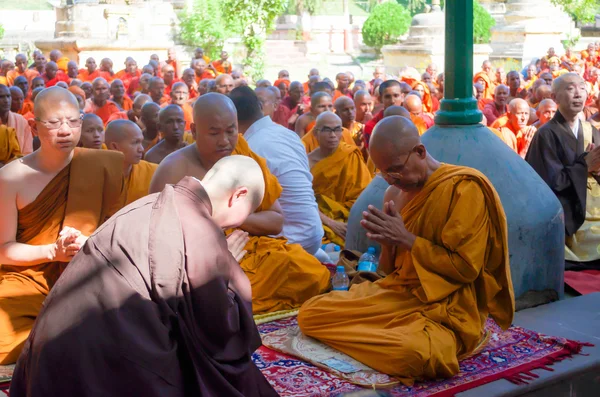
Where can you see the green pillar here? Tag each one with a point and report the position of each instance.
(458, 106)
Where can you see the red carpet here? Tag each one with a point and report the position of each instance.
(583, 281)
(509, 355)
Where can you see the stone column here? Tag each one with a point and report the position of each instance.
(532, 26)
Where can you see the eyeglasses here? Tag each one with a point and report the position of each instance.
(56, 124)
(397, 175)
(336, 130)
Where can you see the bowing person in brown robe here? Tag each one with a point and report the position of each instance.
(155, 303)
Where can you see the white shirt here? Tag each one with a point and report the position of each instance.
(287, 160)
(575, 128)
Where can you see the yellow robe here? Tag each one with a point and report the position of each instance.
(9, 145)
(311, 143)
(138, 183)
(430, 312)
(338, 180)
(282, 275)
(82, 195)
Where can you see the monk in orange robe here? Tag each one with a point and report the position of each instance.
(5, 67)
(17, 100)
(53, 75)
(9, 145)
(413, 104)
(16, 121)
(426, 99)
(149, 119)
(515, 132)
(339, 176)
(48, 213)
(91, 72)
(282, 275)
(126, 137)
(117, 91)
(189, 78)
(168, 73)
(171, 125)
(223, 65)
(445, 252)
(342, 86)
(21, 70)
(346, 110)
(100, 104)
(130, 72)
(21, 83)
(92, 132)
(314, 74)
(488, 88)
(319, 102)
(201, 71)
(135, 113)
(179, 96)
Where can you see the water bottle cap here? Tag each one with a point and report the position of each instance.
(340, 269)
(371, 250)
(324, 247)
(336, 248)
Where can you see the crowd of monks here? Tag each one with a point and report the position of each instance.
(77, 145)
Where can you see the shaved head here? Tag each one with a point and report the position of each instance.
(268, 99)
(394, 132)
(263, 83)
(224, 83)
(317, 97)
(52, 97)
(413, 104)
(17, 99)
(396, 111)
(342, 101)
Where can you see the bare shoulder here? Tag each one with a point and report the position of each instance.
(170, 170)
(153, 155)
(13, 174)
(314, 157)
(399, 197)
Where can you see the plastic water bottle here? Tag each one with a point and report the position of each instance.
(330, 247)
(368, 261)
(340, 279)
(335, 255)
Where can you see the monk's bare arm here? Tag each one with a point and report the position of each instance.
(265, 223)
(301, 125)
(387, 259)
(12, 252)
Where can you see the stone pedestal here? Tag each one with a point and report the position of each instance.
(424, 45)
(532, 26)
(116, 31)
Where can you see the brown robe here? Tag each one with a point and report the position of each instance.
(148, 308)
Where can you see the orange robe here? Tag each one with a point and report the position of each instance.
(126, 78)
(282, 275)
(419, 123)
(222, 67)
(138, 182)
(188, 113)
(118, 116)
(23, 131)
(311, 143)
(338, 180)
(83, 195)
(84, 75)
(431, 311)
(103, 112)
(426, 100)
(207, 74)
(488, 89)
(27, 107)
(514, 140)
(127, 103)
(9, 145)
(29, 74)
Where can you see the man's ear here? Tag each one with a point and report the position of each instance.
(240, 194)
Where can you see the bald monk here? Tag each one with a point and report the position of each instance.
(201, 71)
(79, 95)
(222, 65)
(149, 118)
(171, 124)
(390, 94)
(91, 72)
(117, 92)
(53, 75)
(188, 77)
(542, 92)
(126, 137)
(224, 84)
(413, 104)
(22, 83)
(60, 60)
(426, 315)
(17, 100)
(168, 74)
(73, 71)
(100, 104)
(113, 312)
(363, 102)
(263, 83)
(106, 69)
(140, 84)
(39, 62)
(130, 72)
(21, 70)
(319, 103)
(37, 82)
(346, 110)
(545, 112)
(51, 201)
(88, 89)
(92, 132)
(268, 101)
(156, 90)
(283, 276)
(5, 67)
(342, 86)
(311, 74)
(179, 96)
(498, 108)
(516, 133)
(135, 113)
(339, 176)
(16, 121)
(283, 75)
(310, 140)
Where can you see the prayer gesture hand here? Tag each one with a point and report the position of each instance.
(339, 228)
(387, 227)
(69, 242)
(528, 134)
(236, 242)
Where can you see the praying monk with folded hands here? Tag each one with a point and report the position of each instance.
(445, 252)
(50, 201)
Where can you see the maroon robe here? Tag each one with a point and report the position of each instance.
(148, 308)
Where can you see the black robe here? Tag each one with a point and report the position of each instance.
(148, 308)
(559, 159)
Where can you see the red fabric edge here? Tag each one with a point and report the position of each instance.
(520, 374)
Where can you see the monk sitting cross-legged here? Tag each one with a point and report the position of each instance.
(171, 124)
(92, 132)
(282, 276)
(99, 103)
(50, 202)
(445, 252)
(126, 137)
(339, 176)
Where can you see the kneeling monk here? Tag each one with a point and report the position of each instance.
(155, 304)
(444, 247)
(282, 276)
(339, 176)
(50, 201)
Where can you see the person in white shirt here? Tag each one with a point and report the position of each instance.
(287, 160)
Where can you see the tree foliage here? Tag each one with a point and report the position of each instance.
(582, 11)
(1, 31)
(386, 23)
(253, 20)
(482, 24)
(203, 26)
(413, 6)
